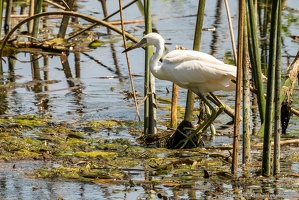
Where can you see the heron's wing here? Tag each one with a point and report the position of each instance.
(199, 70)
(177, 56)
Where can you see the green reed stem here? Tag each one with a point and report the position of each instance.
(266, 161)
(255, 59)
(36, 21)
(1, 14)
(65, 20)
(7, 16)
(196, 46)
(277, 104)
(149, 81)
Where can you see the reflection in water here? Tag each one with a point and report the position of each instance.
(77, 64)
(217, 25)
(3, 100)
(11, 69)
(46, 72)
(76, 92)
(118, 73)
(36, 77)
(68, 73)
(100, 63)
(263, 19)
(14, 186)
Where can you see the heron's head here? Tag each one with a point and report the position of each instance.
(148, 40)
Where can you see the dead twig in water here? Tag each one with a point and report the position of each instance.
(128, 62)
(286, 142)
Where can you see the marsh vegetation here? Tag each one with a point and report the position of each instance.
(71, 126)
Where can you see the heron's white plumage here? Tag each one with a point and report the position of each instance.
(197, 71)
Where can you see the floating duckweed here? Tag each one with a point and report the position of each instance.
(104, 124)
(23, 153)
(294, 157)
(108, 155)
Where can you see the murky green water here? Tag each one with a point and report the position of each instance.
(98, 92)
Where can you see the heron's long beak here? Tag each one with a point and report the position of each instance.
(142, 43)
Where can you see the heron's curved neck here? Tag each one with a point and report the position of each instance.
(154, 67)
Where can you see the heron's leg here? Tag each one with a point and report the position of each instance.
(204, 113)
(212, 127)
(216, 101)
(187, 138)
(214, 113)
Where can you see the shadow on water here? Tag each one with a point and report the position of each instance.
(91, 85)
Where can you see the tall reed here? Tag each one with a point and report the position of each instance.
(277, 100)
(255, 59)
(7, 16)
(196, 46)
(36, 21)
(238, 97)
(246, 102)
(1, 14)
(150, 105)
(266, 162)
(35, 61)
(65, 20)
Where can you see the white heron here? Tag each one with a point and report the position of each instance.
(199, 72)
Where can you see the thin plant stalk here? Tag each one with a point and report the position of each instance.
(266, 161)
(254, 111)
(36, 22)
(1, 14)
(231, 29)
(196, 47)
(31, 13)
(199, 23)
(7, 16)
(189, 106)
(174, 105)
(246, 103)
(37, 9)
(246, 89)
(127, 58)
(55, 4)
(277, 104)
(241, 23)
(65, 20)
(149, 81)
(146, 75)
(255, 59)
